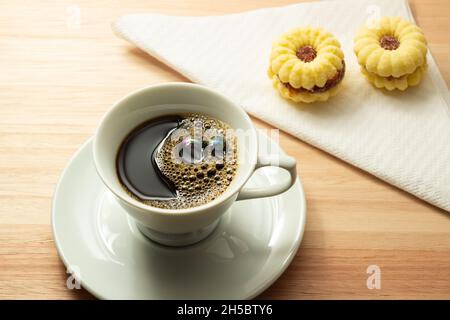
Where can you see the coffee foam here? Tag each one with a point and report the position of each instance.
(202, 181)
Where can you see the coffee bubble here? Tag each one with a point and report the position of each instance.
(188, 159)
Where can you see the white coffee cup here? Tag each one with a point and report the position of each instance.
(183, 226)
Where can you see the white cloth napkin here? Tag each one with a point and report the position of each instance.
(402, 138)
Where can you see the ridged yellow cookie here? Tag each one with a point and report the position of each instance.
(394, 49)
(401, 83)
(306, 65)
(303, 96)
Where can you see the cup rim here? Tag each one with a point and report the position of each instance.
(187, 211)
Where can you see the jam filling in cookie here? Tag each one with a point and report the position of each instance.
(389, 43)
(306, 53)
(332, 82)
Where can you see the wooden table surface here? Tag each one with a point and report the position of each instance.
(59, 74)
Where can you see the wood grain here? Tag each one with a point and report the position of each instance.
(57, 80)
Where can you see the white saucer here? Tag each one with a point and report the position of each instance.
(252, 246)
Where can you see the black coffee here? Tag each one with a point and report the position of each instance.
(177, 161)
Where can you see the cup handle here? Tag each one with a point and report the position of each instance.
(281, 161)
